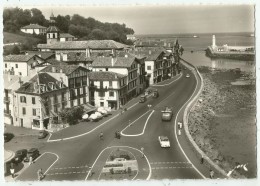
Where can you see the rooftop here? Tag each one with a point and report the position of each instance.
(44, 55)
(92, 44)
(117, 62)
(105, 75)
(52, 29)
(63, 68)
(42, 79)
(19, 58)
(33, 26)
(66, 35)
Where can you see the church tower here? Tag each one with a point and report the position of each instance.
(214, 42)
(52, 32)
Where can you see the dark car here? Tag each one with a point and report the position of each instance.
(43, 134)
(8, 136)
(33, 152)
(20, 155)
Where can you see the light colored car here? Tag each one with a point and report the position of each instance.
(188, 75)
(164, 141)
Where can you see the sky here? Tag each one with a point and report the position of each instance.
(171, 19)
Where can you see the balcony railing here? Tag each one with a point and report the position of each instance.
(7, 111)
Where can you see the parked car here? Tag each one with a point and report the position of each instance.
(8, 136)
(188, 75)
(155, 94)
(20, 155)
(42, 134)
(164, 141)
(33, 152)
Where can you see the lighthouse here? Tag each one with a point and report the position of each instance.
(214, 42)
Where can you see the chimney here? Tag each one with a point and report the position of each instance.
(150, 52)
(87, 52)
(61, 71)
(112, 61)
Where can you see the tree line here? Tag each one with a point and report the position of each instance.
(78, 26)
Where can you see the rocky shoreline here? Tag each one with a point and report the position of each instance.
(222, 123)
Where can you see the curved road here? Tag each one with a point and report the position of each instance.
(78, 154)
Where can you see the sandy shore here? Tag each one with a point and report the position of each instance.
(223, 121)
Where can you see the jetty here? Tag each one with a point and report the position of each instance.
(230, 52)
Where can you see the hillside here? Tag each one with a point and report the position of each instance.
(17, 38)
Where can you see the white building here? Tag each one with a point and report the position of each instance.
(66, 37)
(34, 29)
(21, 65)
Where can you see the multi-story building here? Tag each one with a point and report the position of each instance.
(75, 78)
(127, 65)
(38, 101)
(21, 65)
(107, 89)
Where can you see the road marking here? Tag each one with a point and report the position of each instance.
(155, 168)
(57, 173)
(60, 168)
(167, 83)
(134, 122)
(176, 129)
(150, 169)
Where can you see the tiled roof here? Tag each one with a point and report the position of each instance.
(41, 78)
(33, 26)
(81, 56)
(105, 75)
(55, 62)
(18, 58)
(117, 62)
(66, 35)
(52, 29)
(92, 44)
(66, 69)
(150, 54)
(44, 55)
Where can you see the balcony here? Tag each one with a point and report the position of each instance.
(7, 112)
(6, 99)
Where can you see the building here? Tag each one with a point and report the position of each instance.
(38, 101)
(21, 65)
(107, 89)
(66, 37)
(127, 65)
(43, 55)
(11, 84)
(75, 78)
(34, 29)
(130, 37)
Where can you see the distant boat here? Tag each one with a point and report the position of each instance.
(195, 36)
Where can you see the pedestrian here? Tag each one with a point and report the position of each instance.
(142, 149)
(118, 135)
(30, 160)
(40, 174)
(201, 160)
(12, 169)
(101, 136)
(211, 174)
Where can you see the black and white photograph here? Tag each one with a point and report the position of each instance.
(129, 92)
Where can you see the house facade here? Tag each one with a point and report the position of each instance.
(107, 89)
(21, 65)
(34, 29)
(66, 37)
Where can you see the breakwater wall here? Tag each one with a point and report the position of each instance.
(230, 55)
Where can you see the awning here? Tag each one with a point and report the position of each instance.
(89, 108)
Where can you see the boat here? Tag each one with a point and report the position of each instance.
(195, 36)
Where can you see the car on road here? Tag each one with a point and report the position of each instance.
(33, 152)
(167, 114)
(142, 99)
(42, 134)
(164, 141)
(187, 75)
(20, 155)
(155, 93)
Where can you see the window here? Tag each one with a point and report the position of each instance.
(22, 99)
(149, 67)
(20, 73)
(16, 65)
(33, 100)
(101, 104)
(5, 65)
(34, 112)
(110, 83)
(111, 94)
(106, 69)
(24, 110)
(101, 94)
(55, 108)
(53, 35)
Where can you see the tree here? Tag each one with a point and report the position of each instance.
(97, 34)
(71, 115)
(15, 50)
(37, 16)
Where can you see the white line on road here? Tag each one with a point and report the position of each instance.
(154, 168)
(123, 134)
(176, 129)
(154, 163)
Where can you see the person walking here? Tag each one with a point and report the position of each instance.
(211, 174)
(30, 160)
(40, 174)
(201, 160)
(142, 149)
(101, 136)
(12, 169)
